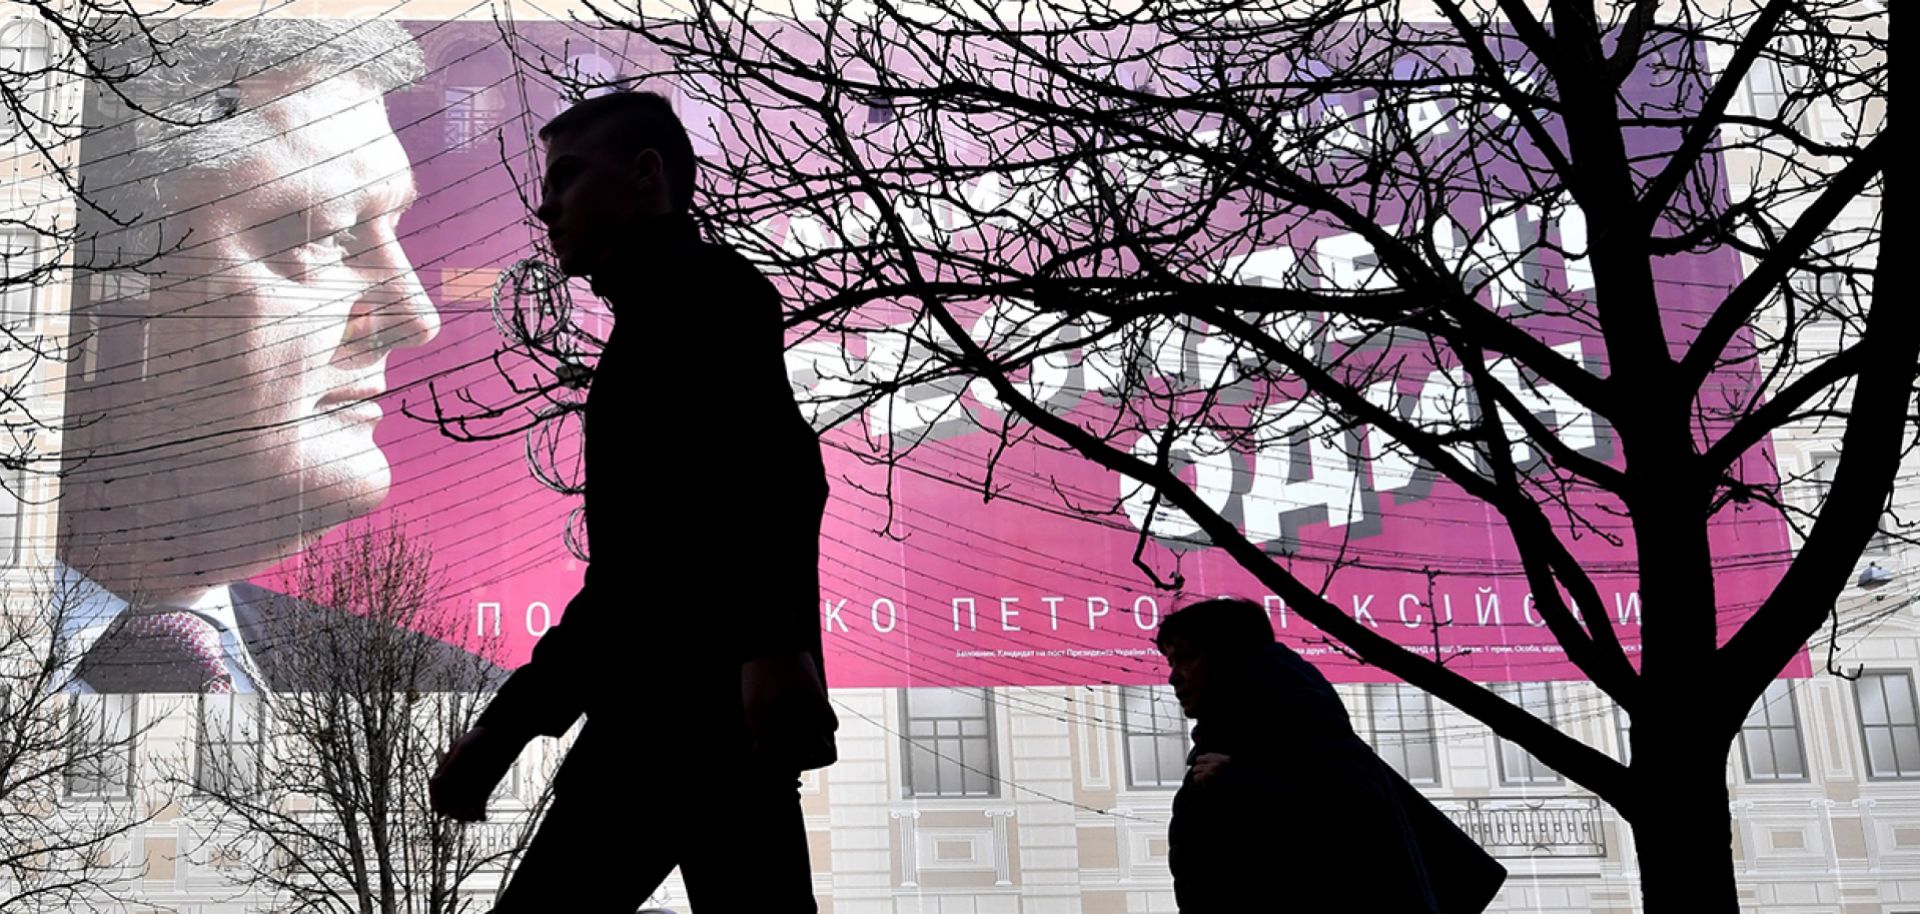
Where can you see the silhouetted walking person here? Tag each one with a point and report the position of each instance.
(1284, 808)
(694, 647)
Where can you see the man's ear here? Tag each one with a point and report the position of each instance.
(648, 166)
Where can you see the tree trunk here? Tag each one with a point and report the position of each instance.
(1683, 832)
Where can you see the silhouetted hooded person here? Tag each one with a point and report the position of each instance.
(1284, 808)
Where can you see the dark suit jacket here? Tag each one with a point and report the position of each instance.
(282, 634)
(704, 495)
(305, 647)
(1306, 818)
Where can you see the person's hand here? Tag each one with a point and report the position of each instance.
(469, 771)
(789, 718)
(1208, 766)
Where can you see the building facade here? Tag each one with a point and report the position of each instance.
(1055, 800)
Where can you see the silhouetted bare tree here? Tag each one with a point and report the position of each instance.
(69, 796)
(52, 56)
(1571, 261)
(320, 789)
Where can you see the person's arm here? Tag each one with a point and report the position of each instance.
(782, 682)
(541, 698)
(780, 604)
(546, 695)
(784, 490)
(778, 639)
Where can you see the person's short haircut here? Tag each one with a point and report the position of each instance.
(633, 121)
(200, 103)
(1225, 627)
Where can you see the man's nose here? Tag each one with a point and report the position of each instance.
(548, 212)
(414, 320)
(397, 311)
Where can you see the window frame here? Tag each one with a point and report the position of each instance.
(1825, 289)
(132, 716)
(1623, 734)
(38, 89)
(1866, 742)
(910, 744)
(1785, 76)
(1516, 692)
(1159, 695)
(468, 114)
(1399, 692)
(230, 745)
(1820, 470)
(508, 790)
(13, 516)
(1771, 729)
(22, 246)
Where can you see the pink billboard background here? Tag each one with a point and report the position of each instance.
(1011, 591)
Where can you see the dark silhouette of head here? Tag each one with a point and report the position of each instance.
(1209, 646)
(613, 162)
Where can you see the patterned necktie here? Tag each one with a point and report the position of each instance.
(176, 651)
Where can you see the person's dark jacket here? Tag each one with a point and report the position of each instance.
(704, 496)
(1306, 818)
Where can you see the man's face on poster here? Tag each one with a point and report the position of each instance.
(266, 347)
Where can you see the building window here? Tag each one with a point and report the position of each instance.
(1623, 733)
(1824, 464)
(1518, 767)
(88, 334)
(949, 743)
(118, 287)
(1770, 742)
(19, 257)
(1156, 735)
(12, 720)
(1771, 83)
(230, 756)
(25, 51)
(509, 787)
(1887, 724)
(1402, 718)
(101, 763)
(1824, 289)
(12, 515)
(471, 111)
(146, 349)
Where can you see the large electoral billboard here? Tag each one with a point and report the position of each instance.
(312, 276)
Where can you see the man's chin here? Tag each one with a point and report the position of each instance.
(574, 264)
(350, 495)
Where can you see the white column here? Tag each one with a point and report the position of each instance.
(909, 820)
(1865, 808)
(181, 865)
(1002, 846)
(1743, 818)
(1122, 828)
(1826, 827)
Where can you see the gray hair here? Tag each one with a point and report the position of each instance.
(201, 97)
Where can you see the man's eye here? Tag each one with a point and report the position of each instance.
(342, 243)
(557, 179)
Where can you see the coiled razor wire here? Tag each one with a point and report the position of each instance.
(533, 311)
